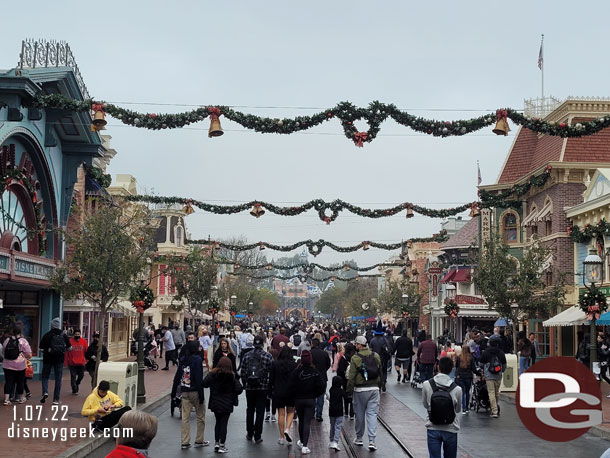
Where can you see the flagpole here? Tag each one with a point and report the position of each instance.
(542, 66)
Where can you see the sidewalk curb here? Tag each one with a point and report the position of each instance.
(85, 448)
(596, 431)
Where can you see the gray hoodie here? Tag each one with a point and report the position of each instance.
(456, 394)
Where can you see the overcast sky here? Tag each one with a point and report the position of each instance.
(444, 60)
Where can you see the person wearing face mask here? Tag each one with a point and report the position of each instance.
(76, 360)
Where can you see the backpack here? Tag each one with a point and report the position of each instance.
(58, 344)
(296, 340)
(370, 369)
(12, 351)
(442, 411)
(495, 367)
(256, 370)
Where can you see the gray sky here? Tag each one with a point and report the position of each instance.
(432, 58)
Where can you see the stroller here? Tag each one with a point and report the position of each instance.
(149, 361)
(176, 402)
(479, 398)
(416, 381)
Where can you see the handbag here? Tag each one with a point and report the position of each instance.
(29, 370)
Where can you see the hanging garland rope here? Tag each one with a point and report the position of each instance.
(315, 247)
(327, 211)
(302, 277)
(589, 232)
(492, 200)
(347, 113)
(307, 268)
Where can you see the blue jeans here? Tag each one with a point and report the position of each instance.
(426, 371)
(442, 439)
(465, 384)
(58, 369)
(336, 423)
(524, 364)
(319, 406)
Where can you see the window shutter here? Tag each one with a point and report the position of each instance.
(162, 280)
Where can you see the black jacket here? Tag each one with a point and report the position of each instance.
(219, 354)
(281, 371)
(224, 389)
(379, 345)
(404, 347)
(466, 373)
(306, 383)
(342, 368)
(91, 354)
(321, 361)
(337, 394)
(45, 346)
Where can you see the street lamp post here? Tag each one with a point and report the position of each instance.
(592, 274)
(405, 303)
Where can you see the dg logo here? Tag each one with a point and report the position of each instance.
(559, 399)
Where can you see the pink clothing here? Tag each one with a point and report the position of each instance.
(443, 353)
(336, 361)
(19, 363)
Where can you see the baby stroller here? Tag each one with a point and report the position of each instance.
(479, 398)
(416, 381)
(149, 361)
(176, 402)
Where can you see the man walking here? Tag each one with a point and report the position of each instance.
(255, 369)
(442, 398)
(170, 348)
(53, 346)
(281, 337)
(494, 365)
(91, 355)
(404, 354)
(179, 338)
(427, 354)
(379, 345)
(364, 381)
(321, 362)
(76, 360)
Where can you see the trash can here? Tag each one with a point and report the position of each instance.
(510, 378)
(123, 379)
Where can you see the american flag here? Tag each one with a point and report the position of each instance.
(540, 59)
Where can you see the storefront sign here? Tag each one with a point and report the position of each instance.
(32, 269)
(485, 224)
(435, 270)
(605, 290)
(463, 299)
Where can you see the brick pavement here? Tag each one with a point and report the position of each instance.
(156, 384)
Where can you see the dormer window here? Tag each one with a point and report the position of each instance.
(179, 235)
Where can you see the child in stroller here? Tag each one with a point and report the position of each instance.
(416, 381)
(479, 398)
(149, 361)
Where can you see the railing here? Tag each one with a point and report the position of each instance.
(50, 53)
(540, 107)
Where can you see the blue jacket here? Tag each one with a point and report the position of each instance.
(189, 376)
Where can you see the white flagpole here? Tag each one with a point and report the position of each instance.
(542, 66)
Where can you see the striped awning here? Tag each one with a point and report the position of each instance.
(573, 316)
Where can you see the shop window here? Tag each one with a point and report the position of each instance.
(26, 318)
(119, 330)
(542, 336)
(549, 278)
(509, 225)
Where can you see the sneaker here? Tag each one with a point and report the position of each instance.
(267, 418)
(44, 398)
(216, 446)
(28, 395)
(248, 437)
(398, 378)
(185, 446)
(335, 446)
(351, 417)
(258, 441)
(383, 387)
(55, 403)
(299, 444)
(280, 441)
(288, 437)
(21, 400)
(305, 451)
(608, 396)
(372, 446)
(358, 442)
(223, 449)
(464, 412)
(494, 415)
(202, 444)
(273, 419)
(319, 419)
(166, 369)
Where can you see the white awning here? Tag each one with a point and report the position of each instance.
(529, 218)
(478, 313)
(573, 316)
(545, 212)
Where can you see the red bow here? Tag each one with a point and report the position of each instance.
(214, 112)
(501, 114)
(593, 311)
(97, 107)
(360, 137)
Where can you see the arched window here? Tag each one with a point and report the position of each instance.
(509, 228)
(179, 235)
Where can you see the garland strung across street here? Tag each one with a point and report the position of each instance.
(307, 268)
(327, 211)
(491, 200)
(347, 113)
(303, 277)
(315, 247)
(589, 231)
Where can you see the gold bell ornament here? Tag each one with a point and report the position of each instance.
(410, 213)
(215, 129)
(257, 211)
(365, 246)
(474, 210)
(501, 123)
(99, 118)
(268, 267)
(188, 209)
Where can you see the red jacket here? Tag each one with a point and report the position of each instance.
(76, 356)
(122, 451)
(427, 352)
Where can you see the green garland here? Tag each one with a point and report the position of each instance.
(302, 277)
(327, 211)
(589, 232)
(347, 113)
(451, 307)
(14, 175)
(307, 268)
(315, 247)
(142, 298)
(593, 304)
(501, 200)
(104, 179)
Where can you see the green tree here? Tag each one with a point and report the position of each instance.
(515, 289)
(332, 301)
(265, 301)
(107, 255)
(391, 299)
